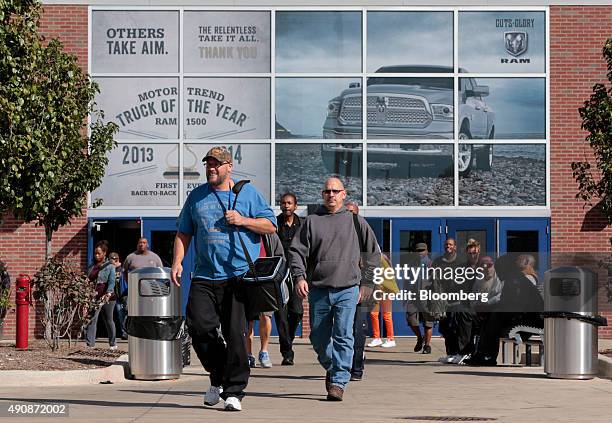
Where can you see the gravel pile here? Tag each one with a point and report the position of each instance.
(299, 169)
(516, 181)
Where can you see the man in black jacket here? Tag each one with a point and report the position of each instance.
(289, 318)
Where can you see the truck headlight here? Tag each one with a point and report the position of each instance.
(333, 109)
(443, 112)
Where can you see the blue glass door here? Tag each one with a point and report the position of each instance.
(161, 232)
(526, 236)
(482, 230)
(405, 234)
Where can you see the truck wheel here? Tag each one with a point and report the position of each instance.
(465, 157)
(484, 157)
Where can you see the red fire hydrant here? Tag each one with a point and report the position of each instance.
(22, 298)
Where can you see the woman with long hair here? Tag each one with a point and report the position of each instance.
(526, 262)
(102, 274)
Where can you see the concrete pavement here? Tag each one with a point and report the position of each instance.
(399, 385)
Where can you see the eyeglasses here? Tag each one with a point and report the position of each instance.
(113, 258)
(487, 265)
(217, 166)
(332, 191)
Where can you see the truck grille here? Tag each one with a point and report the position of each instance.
(404, 111)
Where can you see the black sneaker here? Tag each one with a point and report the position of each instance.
(418, 345)
(356, 378)
(479, 360)
(427, 349)
(287, 362)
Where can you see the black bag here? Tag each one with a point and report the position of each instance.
(265, 285)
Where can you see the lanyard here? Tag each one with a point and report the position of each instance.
(229, 200)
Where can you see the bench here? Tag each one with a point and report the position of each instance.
(510, 346)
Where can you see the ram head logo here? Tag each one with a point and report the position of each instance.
(515, 42)
(382, 103)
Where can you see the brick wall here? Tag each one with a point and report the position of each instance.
(577, 35)
(68, 24)
(22, 246)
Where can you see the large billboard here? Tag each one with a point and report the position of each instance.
(218, 41)
(134, 41)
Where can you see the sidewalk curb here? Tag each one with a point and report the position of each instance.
(115, 373)
(605, 367)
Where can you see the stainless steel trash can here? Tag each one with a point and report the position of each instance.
(570, 323)
(154, 325)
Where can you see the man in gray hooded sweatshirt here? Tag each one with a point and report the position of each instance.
(327, 252)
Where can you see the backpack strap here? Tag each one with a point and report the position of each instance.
(359, 234)
(267, 248)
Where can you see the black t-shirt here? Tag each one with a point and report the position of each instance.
(286, 232)
(448, 285)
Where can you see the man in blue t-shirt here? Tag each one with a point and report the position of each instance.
(215, 310)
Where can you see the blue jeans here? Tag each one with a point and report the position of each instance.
(332, 311)
(121, 309)
(107, 313)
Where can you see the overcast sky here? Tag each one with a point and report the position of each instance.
(318, 42)
(519, 104)
(301, 103)
(409, 38)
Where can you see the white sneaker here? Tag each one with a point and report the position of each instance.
(264, 359)
(455, 359)
(447, 359)
(463, 358)
(375, 342)
(232, 404)
(388, 344)
(113, 347)
(211, 397)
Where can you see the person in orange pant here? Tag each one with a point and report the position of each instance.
(389, 285)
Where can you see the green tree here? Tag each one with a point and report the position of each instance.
(596, 117)
(593, 186)
(48, 162)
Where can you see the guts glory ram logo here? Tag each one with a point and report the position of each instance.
(515, 43)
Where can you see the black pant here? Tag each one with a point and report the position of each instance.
(466, 326)
(295, 313)
(287, 321)
(285, 337)
(457, 329)
(217, 325)
(448, 329)
(360, 325)
(498, 324)
(294, 322)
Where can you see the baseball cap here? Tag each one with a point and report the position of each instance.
(486, 260)
(421, 246)
(219, 153)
